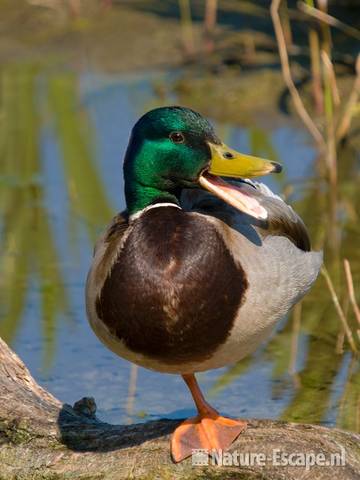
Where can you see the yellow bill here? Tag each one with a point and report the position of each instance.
(226, 162)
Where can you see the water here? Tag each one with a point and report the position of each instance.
(62, 142)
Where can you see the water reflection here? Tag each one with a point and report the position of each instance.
(28, 249)
(60, 148)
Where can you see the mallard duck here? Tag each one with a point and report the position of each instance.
(197, 271)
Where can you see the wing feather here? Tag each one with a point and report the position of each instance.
(282, 219)
(107, 248)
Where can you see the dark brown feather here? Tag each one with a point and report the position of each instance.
(283, 221)
(174, 289)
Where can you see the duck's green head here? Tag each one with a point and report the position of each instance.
(172, 148)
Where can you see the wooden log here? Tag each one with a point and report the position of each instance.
(40, 438)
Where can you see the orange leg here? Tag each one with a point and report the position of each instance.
(207, 430)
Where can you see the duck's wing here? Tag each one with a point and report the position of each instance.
(106, 251)
(274, 254)
(282, 219)
(114, 230)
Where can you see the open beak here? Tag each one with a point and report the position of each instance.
(226, 162)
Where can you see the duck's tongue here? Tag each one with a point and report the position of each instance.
(233, 195)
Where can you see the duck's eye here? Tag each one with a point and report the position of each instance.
(177, 137)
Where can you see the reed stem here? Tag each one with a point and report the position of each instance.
(284, 57)
(339, 310)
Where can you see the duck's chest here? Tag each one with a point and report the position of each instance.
(173, 292)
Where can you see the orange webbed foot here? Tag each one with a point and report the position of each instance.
(208, 431)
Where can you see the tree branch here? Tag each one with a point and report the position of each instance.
(42, 439)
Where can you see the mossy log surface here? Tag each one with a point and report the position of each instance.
(41, 438)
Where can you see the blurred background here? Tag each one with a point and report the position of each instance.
(278, 79)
